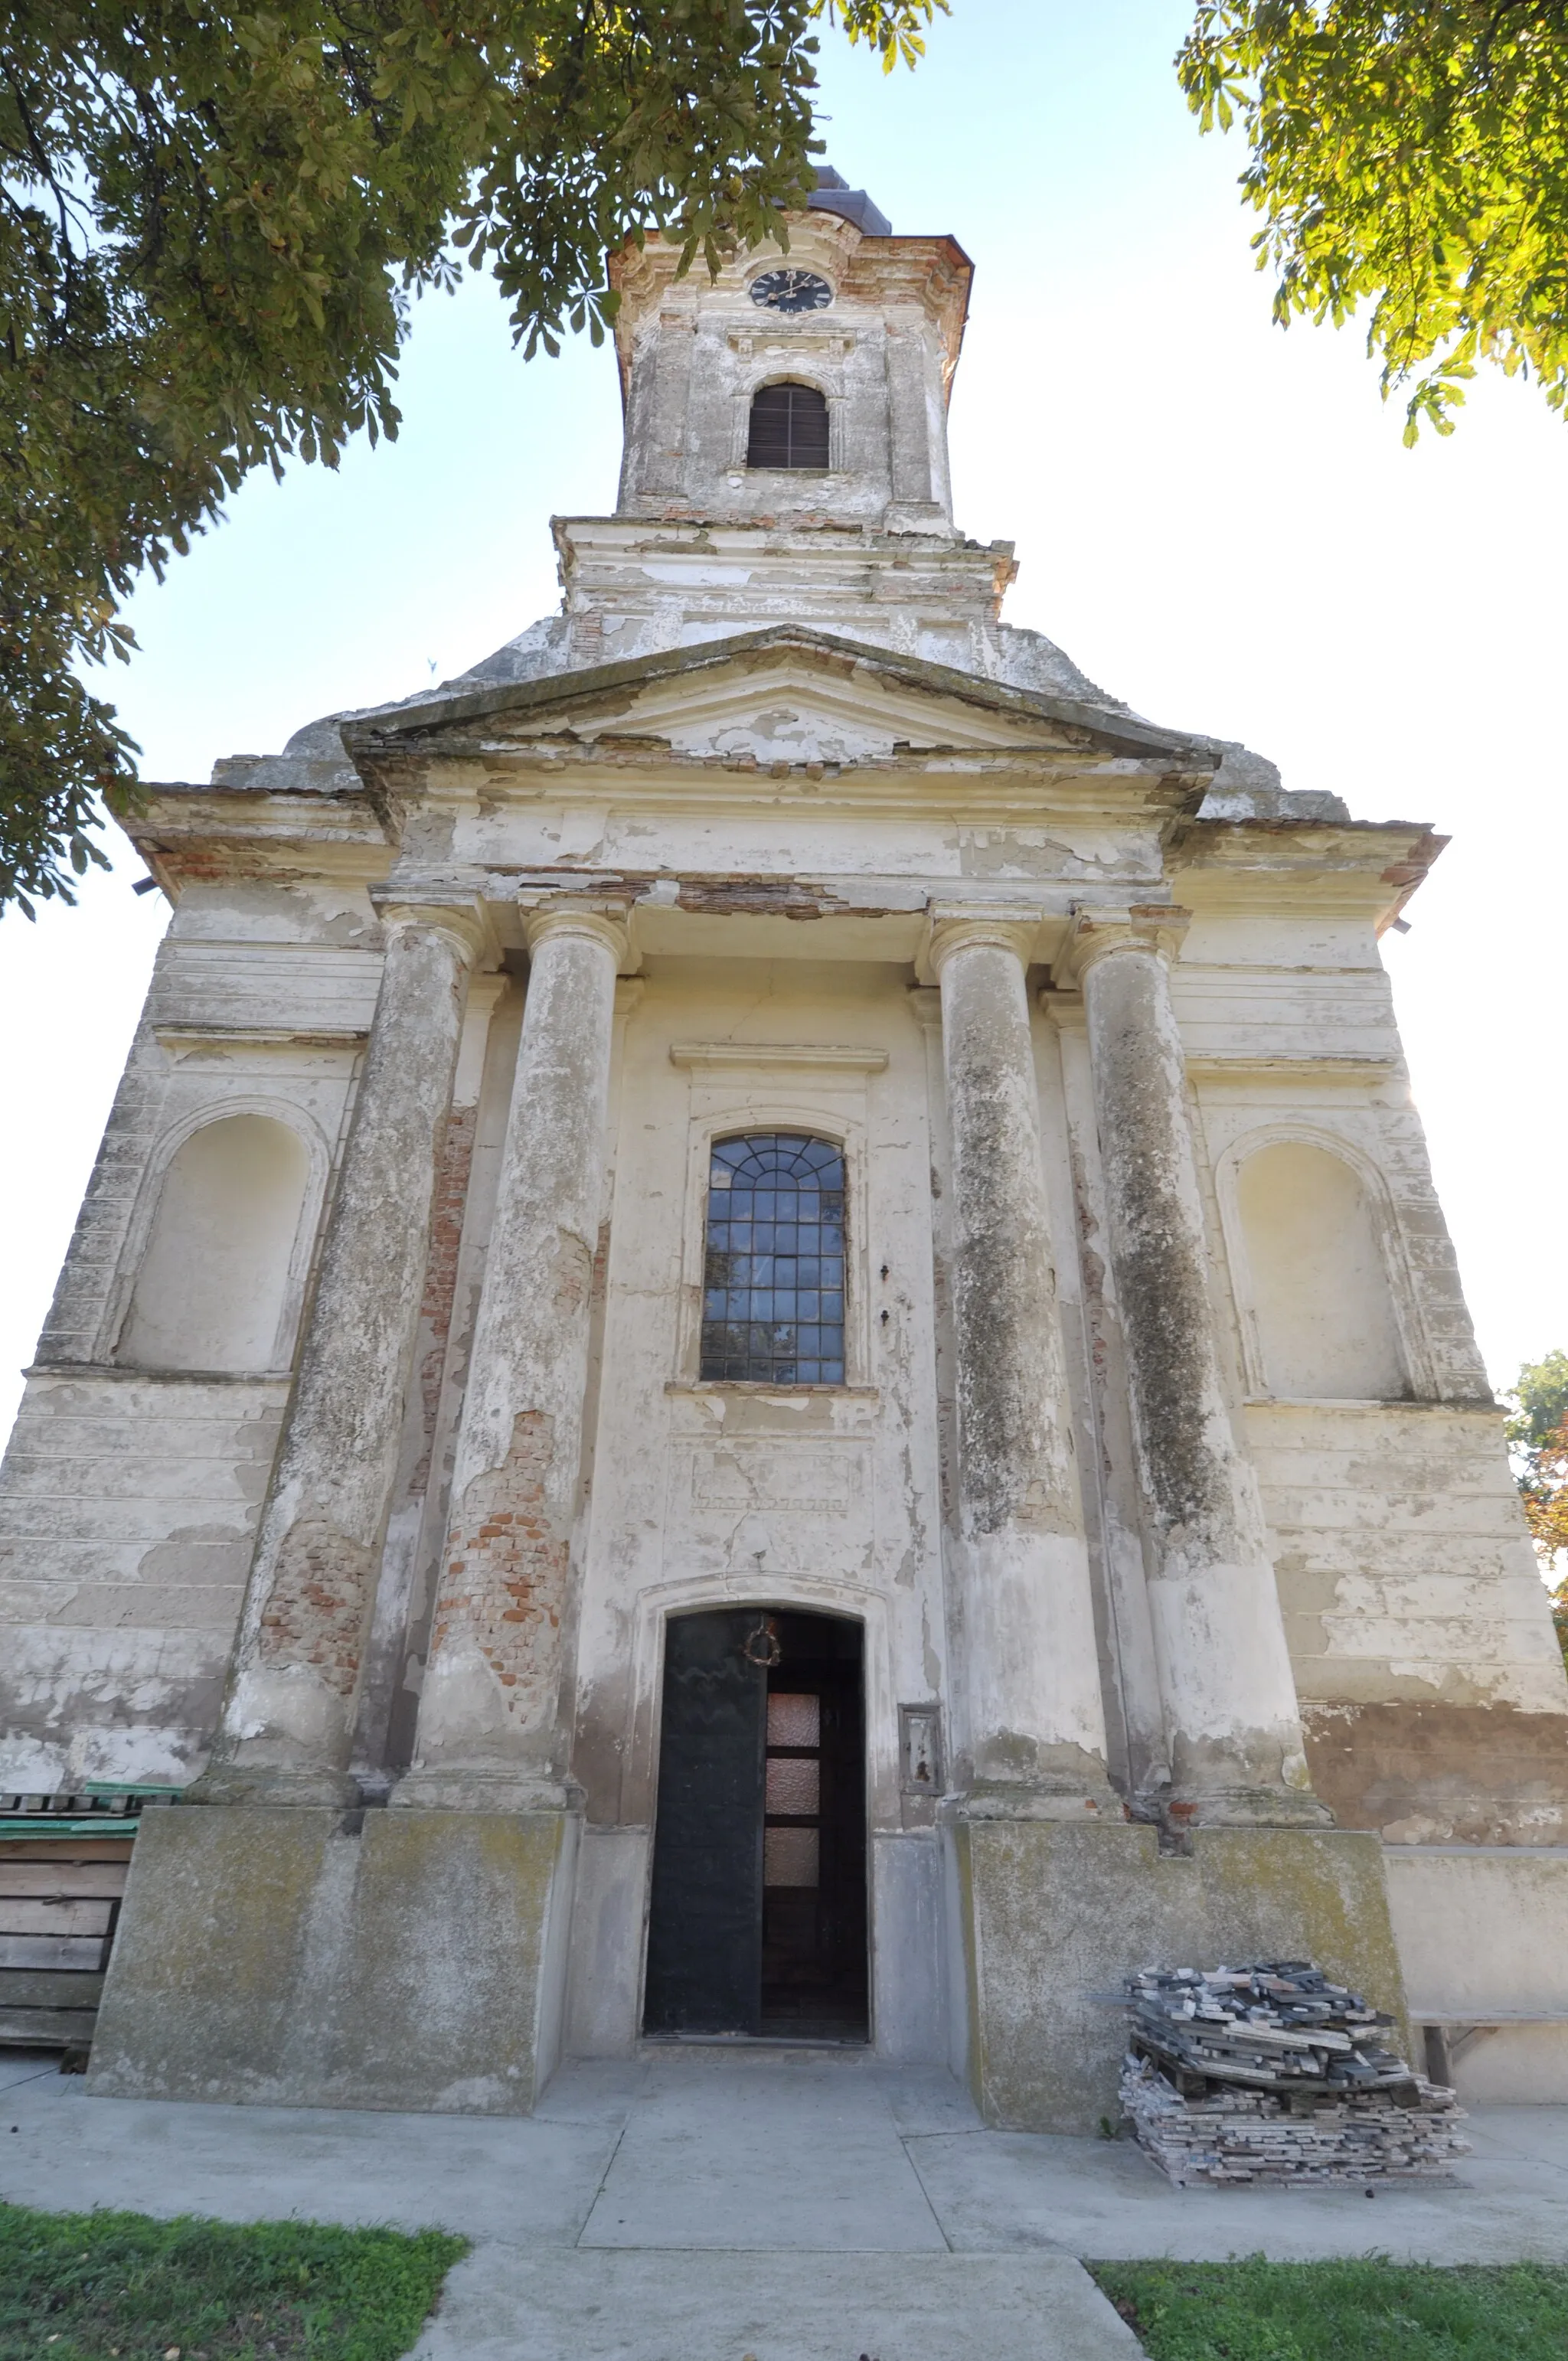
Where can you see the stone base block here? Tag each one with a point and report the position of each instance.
(1483, 1937)
(1055, 1916)
(294, 1957)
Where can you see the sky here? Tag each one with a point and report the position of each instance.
(1216, 518)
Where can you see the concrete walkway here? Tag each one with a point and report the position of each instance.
(704, 2204)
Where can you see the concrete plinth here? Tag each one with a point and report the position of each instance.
(291, 1956)
(1054, 1915)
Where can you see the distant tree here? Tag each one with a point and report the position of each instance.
(213, 219)
(1414, 159)
(1537, 1439)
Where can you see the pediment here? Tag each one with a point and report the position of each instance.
(779, 699)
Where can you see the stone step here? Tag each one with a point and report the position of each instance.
(598, 2304)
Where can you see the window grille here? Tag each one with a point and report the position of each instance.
(789, 427)
(773, 1308)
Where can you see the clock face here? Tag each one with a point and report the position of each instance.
(791, 290)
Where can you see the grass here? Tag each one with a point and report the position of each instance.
(1369, 2310)
(120, 2287)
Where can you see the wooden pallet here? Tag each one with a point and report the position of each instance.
(59, 1901)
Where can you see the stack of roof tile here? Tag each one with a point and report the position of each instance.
(1270, 2073)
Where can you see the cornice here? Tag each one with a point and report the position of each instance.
(196, 835)
(726, 1056)
(1366, 868)
(180, 1039)
(1372, 1071)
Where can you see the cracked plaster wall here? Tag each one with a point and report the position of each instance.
(129, 1498)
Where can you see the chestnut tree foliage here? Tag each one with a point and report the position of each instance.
(213, 219)
(1412, 162)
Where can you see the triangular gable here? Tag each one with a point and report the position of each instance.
(779, 695)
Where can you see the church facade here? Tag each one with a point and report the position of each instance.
(761, 1347)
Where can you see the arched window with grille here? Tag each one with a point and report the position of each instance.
(774, 1275)
(789, 427)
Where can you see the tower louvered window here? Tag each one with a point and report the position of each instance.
(772, 1306)
(789, 427)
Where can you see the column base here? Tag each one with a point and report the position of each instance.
(257, 1784)
(1245, 1808)
(1053, 1919)
(1002, 1800)
(297, 1958)
(484, 1789)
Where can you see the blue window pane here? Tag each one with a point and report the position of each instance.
(773, 1301)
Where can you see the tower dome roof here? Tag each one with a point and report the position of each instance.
(833, 194)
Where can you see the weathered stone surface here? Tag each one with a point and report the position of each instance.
(491, 1705)
(294, 1957)
(1230, 1701)
(1037, 1727)
(287, 1716)
(1058, 1917)
(1423, 1771)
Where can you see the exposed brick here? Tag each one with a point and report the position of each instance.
(505, 1569)
(316, 1613)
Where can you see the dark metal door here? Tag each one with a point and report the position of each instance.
(705, 1932)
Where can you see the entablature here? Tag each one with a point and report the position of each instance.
(188, 834)
(1364, 869)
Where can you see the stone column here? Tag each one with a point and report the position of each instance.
(1227, 1688)
(1036, 1717)
(287, 1719)
(490, 1733)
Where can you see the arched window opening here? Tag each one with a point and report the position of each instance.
(213, 1285)
(789, 427)
(772, 1308)
(1326, 1327)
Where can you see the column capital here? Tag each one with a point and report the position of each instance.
(1097, 930)
(465, 924)
(960, 925)
(596, 920)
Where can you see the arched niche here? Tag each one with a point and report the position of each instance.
(215, 1286)
(1324, 1319)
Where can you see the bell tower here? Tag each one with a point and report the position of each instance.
(786, 450)
(866, 324)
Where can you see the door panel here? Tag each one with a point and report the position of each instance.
(814, 1901)
(705, 1932)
